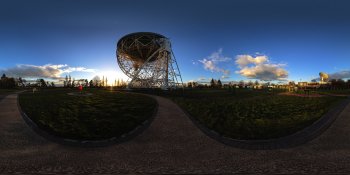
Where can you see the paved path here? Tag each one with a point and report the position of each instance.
(2, 96)
(172, 144)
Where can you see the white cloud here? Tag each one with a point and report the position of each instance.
(211, 62)
(202, 79)
(260, 68)
(76, 69)
(193, 62)
(218, 57)
(244, 60)
(225, 77)
(45, 71)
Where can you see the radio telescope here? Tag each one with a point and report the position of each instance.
(323, 77)
(147, 59)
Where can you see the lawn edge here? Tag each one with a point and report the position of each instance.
(88, 143)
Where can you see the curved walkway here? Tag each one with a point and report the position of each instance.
(172, 144)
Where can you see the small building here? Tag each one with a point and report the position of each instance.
(302, 84)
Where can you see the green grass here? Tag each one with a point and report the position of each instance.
(325, 92)
(339, 91)
(103, 115)
(253, 114)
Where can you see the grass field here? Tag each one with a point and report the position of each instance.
(105, 114)
(253, 114)
(325, 92)
(340, 91)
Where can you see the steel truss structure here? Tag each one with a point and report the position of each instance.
(148, 60)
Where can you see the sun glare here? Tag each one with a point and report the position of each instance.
(112, 76)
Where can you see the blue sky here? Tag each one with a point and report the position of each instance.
(296, 39)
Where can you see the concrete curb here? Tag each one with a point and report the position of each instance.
(88, 143)
(305, 135)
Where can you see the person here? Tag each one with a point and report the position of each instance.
(80, 87)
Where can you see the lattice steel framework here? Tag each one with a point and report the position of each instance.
(148, 60)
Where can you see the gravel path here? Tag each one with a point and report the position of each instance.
(172, 144)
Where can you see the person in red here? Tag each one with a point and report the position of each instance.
(80, 87)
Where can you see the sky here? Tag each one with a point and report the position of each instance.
(232, 40)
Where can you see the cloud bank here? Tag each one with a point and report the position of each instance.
(260, 68)
(340, 75)
(211, 62)
(344, 74)
(45, 71)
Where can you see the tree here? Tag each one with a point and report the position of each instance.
(241, 83)
(69, 82)
(20, 82)
(334, 83)
(212, 83)
(24, 82)
(96, 81)
(65, 82)
(250, 83)
(341, 83)
(256, 82)
(219, 84)
(11, 83)
(91, 84)
(7, 83)
(189, 84)
(41, 82)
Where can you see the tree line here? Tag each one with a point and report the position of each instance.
(332, 84)
(7, 83)
(68, 82)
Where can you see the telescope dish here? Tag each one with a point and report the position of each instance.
(148, 60)
(323, 76)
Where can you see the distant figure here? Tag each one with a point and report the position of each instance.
(80, 87)
(34, 89)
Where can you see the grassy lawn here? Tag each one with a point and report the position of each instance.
(253, 114)
(105, 114)
(325, 92)
(339, 91)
